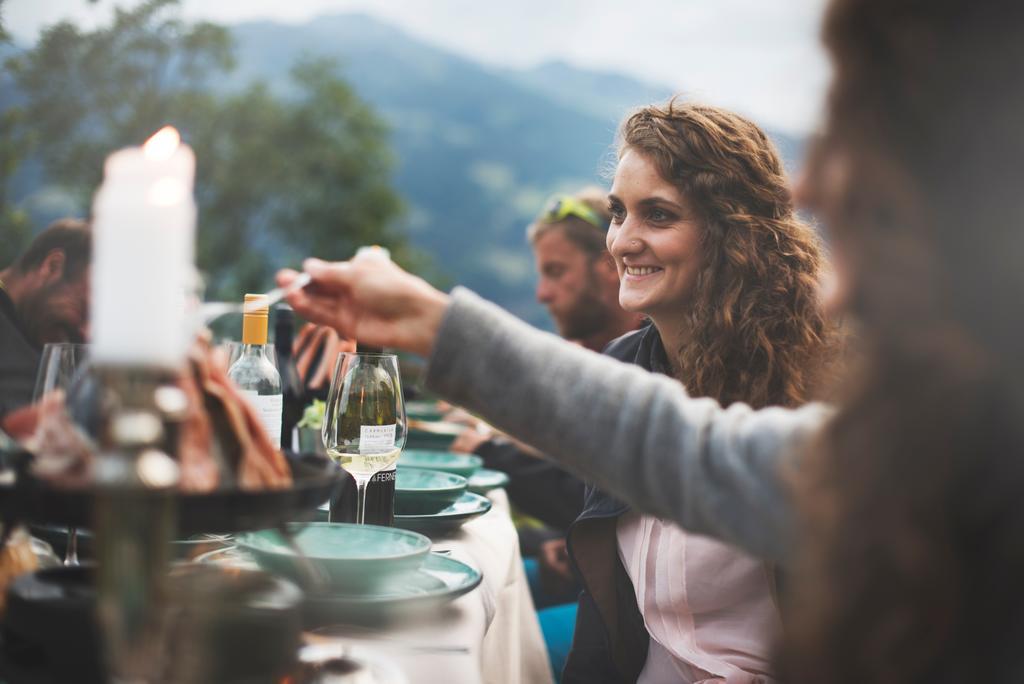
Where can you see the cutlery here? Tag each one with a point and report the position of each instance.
(211, 311)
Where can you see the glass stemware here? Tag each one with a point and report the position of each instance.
(60, 367)
(365, 426)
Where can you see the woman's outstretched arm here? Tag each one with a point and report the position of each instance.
(719, 472)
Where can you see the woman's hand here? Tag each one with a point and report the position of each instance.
(372, 300)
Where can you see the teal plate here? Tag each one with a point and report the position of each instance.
(485, 479)
(445, 461)
(349, 556)
(419, 491)
(432, 434)
(468, 506)
(439, 580)
(423, 410)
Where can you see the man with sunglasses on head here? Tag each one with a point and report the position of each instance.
(578, 281)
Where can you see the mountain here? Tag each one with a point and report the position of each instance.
(605, 95)
(477, 151)
(478, 148)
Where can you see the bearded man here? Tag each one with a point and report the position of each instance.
(44, 297)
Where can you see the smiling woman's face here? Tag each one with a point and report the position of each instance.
(654, 238)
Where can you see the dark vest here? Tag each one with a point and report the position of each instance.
(610, 642)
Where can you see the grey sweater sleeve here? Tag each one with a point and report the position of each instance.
(639, 436)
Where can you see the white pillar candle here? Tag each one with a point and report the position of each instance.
(144, 221)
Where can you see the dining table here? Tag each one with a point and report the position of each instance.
(489, 635)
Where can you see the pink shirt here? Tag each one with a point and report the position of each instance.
(707, 606)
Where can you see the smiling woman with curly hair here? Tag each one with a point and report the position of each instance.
(746, 324)
(708, 247)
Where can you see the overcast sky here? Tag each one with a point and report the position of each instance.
(760, 57)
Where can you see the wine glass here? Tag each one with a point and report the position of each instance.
(365, 426)
(59, 370)
(58, 367)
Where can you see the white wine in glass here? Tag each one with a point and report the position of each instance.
(365, 426)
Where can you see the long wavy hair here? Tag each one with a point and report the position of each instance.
(758, 333)
(913, 562)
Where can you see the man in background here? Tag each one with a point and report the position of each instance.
(579, 285)
(578, 282)
(44, 297)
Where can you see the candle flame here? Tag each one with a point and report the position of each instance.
(162, 144)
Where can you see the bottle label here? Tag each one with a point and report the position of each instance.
(376, 438)
(380, 500)
(384, 476)
(268, 408)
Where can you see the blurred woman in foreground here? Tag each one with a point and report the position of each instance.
(909, 545)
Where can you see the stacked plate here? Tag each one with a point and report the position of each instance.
(423, 410)
(481, 480)
(439, 491)
(428, 434)
(445, 461)
(353, 573)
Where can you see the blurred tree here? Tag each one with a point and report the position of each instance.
(277, 179)
(4, 36)
(14, 224)
(309, 175)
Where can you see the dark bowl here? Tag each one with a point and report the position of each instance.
(49, 631)
(314, 478)
(225, 625)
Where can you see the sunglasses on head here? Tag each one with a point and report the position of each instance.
(564, 206)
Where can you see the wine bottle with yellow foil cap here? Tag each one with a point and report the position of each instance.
(254, 373)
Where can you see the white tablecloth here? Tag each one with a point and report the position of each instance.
(491, 634)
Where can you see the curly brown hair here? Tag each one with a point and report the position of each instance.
(758, 331)
(913, 560)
